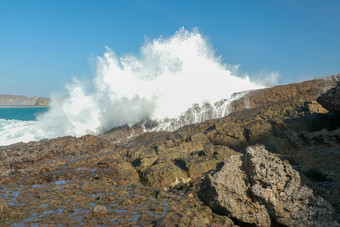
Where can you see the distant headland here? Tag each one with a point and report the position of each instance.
(20, 100)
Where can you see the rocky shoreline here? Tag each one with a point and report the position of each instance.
(274, 161)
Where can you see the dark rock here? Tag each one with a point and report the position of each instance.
(164, 222)
(331, 99)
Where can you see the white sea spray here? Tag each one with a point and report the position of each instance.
(14, 131)
(174, 81)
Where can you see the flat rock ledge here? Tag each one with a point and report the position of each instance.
(259, 188)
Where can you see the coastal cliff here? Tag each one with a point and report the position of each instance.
(20, 100)
(274, 161)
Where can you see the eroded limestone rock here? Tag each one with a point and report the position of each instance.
(225, 192)
(258, 188)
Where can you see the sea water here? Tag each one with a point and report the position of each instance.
(19, 124)
(21, 113)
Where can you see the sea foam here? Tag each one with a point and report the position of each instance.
(167, 77)
(14, 131)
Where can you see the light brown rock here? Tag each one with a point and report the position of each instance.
(260, 189)
(225, 192)
(3, 207)
(99, 209)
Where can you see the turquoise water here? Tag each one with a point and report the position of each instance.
(21, 113)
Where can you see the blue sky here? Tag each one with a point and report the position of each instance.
(44, 43)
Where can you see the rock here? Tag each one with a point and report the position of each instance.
(307, 91)
(40, 101)
(164, 222)
(22, 155)
(225, 192)
(99, 210)
(209, 150)
(120, 134)
(176, 159)
(257, 129)
(198, 164)
(71, 173)
(199, 138)
(164, 174)
(3, 207)
(331, 99)
(228, 134)
(111, 166)
(197, 168)
(260, 189)
(223, 221)
(279, 187)
(315, 107)
(15, 100)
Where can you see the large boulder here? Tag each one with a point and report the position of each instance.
(331, 99)
(225, 192)
(260, 189)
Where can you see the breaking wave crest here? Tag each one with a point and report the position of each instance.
(169, 76)
(197, 113)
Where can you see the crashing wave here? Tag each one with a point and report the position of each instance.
(196, 114)
(166, 79)
(169, 76)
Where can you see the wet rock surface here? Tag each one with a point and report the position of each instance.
(129, 178)
(99, 203)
